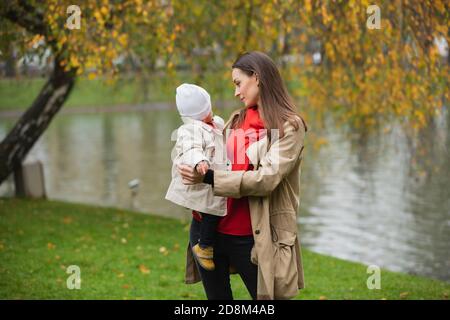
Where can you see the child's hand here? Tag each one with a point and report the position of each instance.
(202, 167)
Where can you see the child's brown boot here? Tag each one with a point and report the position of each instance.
(204, 256)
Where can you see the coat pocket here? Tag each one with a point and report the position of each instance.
(285, 267)
(284, 236)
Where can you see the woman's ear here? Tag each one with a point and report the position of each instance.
(257, 79)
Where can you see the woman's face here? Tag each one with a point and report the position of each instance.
(246, 87)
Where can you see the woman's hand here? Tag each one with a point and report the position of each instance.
(189, 175)
(202, 167)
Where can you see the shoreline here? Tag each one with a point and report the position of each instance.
(151, 106)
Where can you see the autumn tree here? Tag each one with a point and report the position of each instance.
(372, 75)
(147, 30)
(91, 49)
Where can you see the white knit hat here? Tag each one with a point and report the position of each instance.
(193, 101)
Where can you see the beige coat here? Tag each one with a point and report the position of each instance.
(198, 141)
(273, 189)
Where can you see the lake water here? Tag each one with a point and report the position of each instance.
(380, 199)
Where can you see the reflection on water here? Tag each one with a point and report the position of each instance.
(380, 199)
(368, 200)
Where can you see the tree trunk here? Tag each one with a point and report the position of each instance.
(10, 62)
(31, 125)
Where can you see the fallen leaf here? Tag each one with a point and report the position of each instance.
(144, 269)
(164, 251)
(123, 240)
(51, 246)
(126, 286)
(404, 295)
(67, 220)
(323, 298)
(120, 275)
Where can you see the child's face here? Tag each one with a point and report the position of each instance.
(208, 118)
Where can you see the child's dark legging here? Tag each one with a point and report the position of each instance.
(208, 230)
(228, 249)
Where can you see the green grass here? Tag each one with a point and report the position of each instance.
(121, 256)
(20, 93)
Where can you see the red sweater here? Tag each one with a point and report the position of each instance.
(237, 221)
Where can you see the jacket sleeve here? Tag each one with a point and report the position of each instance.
(190, 141)
(276, 164)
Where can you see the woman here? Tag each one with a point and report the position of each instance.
(258, 237)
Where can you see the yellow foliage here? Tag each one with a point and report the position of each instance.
(391, 72)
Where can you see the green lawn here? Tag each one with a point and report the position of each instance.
(128, 255)
(20, 93)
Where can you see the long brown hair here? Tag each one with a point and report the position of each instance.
(276, 106)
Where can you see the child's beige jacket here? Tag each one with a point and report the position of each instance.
(198, 141)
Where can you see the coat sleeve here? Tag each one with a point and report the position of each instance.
(190, 141)
(276, 164)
